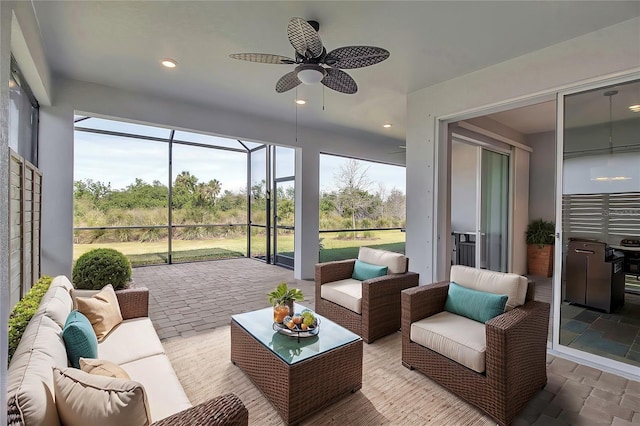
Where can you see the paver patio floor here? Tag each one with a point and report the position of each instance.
(192, 297)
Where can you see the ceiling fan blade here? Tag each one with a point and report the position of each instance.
(304, 38)
(263, 58)
(340, 81)
(287, 82)
(350, 57)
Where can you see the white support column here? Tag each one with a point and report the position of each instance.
(5, 69)
(307, 212)
(520, 206)
(56, 164)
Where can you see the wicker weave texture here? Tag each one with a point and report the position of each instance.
(14, 417)
(223, 410)
(380, 300)
(515, 354)
(299, 390)
(134, 302)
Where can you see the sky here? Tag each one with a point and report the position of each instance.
(119, 161)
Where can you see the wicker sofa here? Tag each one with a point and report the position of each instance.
(133, 345)
(513, 361)
(372, 308)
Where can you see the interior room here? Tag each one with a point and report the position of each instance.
(227, 148)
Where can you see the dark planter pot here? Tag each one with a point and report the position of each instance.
(540, 259)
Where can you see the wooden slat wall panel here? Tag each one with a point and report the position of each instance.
(27, 227)
(37, 200)
(25, 202)
(15, 229)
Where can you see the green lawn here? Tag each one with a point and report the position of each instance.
(333, 248)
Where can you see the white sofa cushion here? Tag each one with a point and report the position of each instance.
(84, 399)
(30, 379)
(57, 306)
(346, 293)
(513, 285)
(129, 341)
(62, 281)
(165, 393)
(396, 262)
(458, 338)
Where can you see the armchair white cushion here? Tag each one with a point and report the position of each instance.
(456, 337)
(346, 293)
(513, 285)
(396, 262)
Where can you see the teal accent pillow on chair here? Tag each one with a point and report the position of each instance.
(473, 304)
(79, 338)
(365, 271)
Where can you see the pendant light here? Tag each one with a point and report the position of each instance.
(611, 171)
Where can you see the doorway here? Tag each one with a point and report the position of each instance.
(272, 205)
(479, 204)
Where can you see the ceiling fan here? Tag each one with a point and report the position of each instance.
(314, 64)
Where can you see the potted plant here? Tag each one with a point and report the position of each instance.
(540, 241)
(282, 299)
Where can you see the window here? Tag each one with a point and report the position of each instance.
(362, 203)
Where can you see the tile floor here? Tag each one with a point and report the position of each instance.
(189, 298)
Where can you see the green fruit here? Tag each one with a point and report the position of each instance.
(309, 320)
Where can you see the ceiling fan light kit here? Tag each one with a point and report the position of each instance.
(310, 73)
(314, 64)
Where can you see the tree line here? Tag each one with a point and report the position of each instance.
(353, 203)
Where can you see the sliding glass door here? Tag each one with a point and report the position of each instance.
(493, 211)
(598, 283)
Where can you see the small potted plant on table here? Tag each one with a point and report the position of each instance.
(282, 299)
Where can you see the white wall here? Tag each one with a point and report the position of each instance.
(18, 35)
(542, 183)
(464, 179)
(57, 163)
(612, 50)
(5, 67)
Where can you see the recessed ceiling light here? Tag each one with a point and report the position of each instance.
(635, 108)
(301, 101)
(169, 63)
(386, 126)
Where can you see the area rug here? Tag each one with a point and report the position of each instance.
(391, 394)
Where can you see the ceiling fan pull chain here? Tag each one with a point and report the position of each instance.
(296, 115)
(323, 97)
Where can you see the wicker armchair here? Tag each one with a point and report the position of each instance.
(380, 314)
(516, 346)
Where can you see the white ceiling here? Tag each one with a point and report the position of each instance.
(120, 44)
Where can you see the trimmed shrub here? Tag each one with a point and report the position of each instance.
(24, 311)
(99, 267)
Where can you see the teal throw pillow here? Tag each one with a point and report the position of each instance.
(79, 338)
(473, 304)
(365, 271)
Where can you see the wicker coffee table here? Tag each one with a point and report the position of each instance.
(299, 376)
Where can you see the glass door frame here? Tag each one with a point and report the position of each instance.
(250, 224)
(277, 259)
(481, 232)
(619, 368)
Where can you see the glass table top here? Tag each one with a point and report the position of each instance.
(292, 349)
